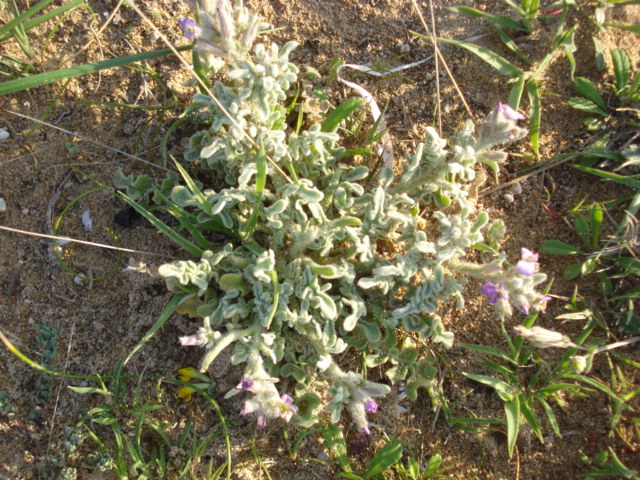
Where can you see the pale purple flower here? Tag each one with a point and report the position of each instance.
(262, 419)
(193, 340)
(528, 263)
(188, 26)
(509, 113)
(493, 292)
(287, 408)
(371, 406)
(541, 304)
(266, 402)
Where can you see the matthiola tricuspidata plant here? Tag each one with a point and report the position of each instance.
(315, 264)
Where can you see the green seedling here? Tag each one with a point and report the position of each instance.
(523, 392)
(606, 464)
(410, 469)
(588, 228)
(622, 99)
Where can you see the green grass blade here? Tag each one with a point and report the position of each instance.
(261, 179)
(34, 22)
(5, 30)
(503, 389)
(624, 180)
(592, 382)
(496, 352)
(193, 188)
(553, 421)
(342, 111)
(165, 229)
(512, 412)
(631, 28)
(530, 416)
(499, 19)
(511, 45)
(164, 316)
(13, 86)
(534, 115)
(515, 95)
(496, 61)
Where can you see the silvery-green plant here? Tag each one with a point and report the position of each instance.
(315, 263)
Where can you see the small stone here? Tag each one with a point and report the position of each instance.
(508, 197)
(4, 134)
(25, 211)
(516, 189)
(3, 205)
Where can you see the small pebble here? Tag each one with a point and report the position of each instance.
(323, 457)
(508, 197)
(86, 220)
(25, 211)
(3, 205)
(4, 134)
(516, 189)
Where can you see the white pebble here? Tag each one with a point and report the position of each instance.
(4, 134)
(86, 220)
(508, 197)
(3, 205)
(25, 211)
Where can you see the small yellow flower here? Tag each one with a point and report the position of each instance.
(185, 393)
(187, 374)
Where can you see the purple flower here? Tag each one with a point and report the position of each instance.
(493, 292)
(371, 406)
(527, 265)
(246, 384)
(509, 113)
(188, 26)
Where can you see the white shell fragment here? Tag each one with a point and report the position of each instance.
(86, 220)
(3, 205)
(4, 134)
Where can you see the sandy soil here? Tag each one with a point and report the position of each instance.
(102, 320)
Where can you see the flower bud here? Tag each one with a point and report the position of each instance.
(543, 338)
